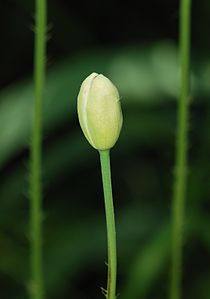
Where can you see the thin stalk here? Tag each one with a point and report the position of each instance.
(37, 291)
(110, 223)
(180, 178)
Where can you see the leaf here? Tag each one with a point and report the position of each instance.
(147, 265)
(135, 72)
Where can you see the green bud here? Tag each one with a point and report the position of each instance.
(99, 111)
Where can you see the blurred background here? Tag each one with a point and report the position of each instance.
(135, 45)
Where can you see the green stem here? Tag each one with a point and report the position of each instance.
(36, 154)
(180, 178)
(110, 223)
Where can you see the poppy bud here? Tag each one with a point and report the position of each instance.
(99, 111)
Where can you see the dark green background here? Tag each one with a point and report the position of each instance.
(135, 45)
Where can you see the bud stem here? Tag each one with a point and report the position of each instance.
(110, 223)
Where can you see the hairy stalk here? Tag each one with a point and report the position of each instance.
(37, 291)
(110, 223)
(180, 178)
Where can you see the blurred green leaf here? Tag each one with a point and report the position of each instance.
(135, 72)
(147, 265)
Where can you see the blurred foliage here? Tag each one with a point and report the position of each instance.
(143, 63)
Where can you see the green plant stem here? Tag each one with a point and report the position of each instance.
(180, 178)
(110, 223)
(37, 291)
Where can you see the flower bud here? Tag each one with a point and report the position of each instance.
(99, 111)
